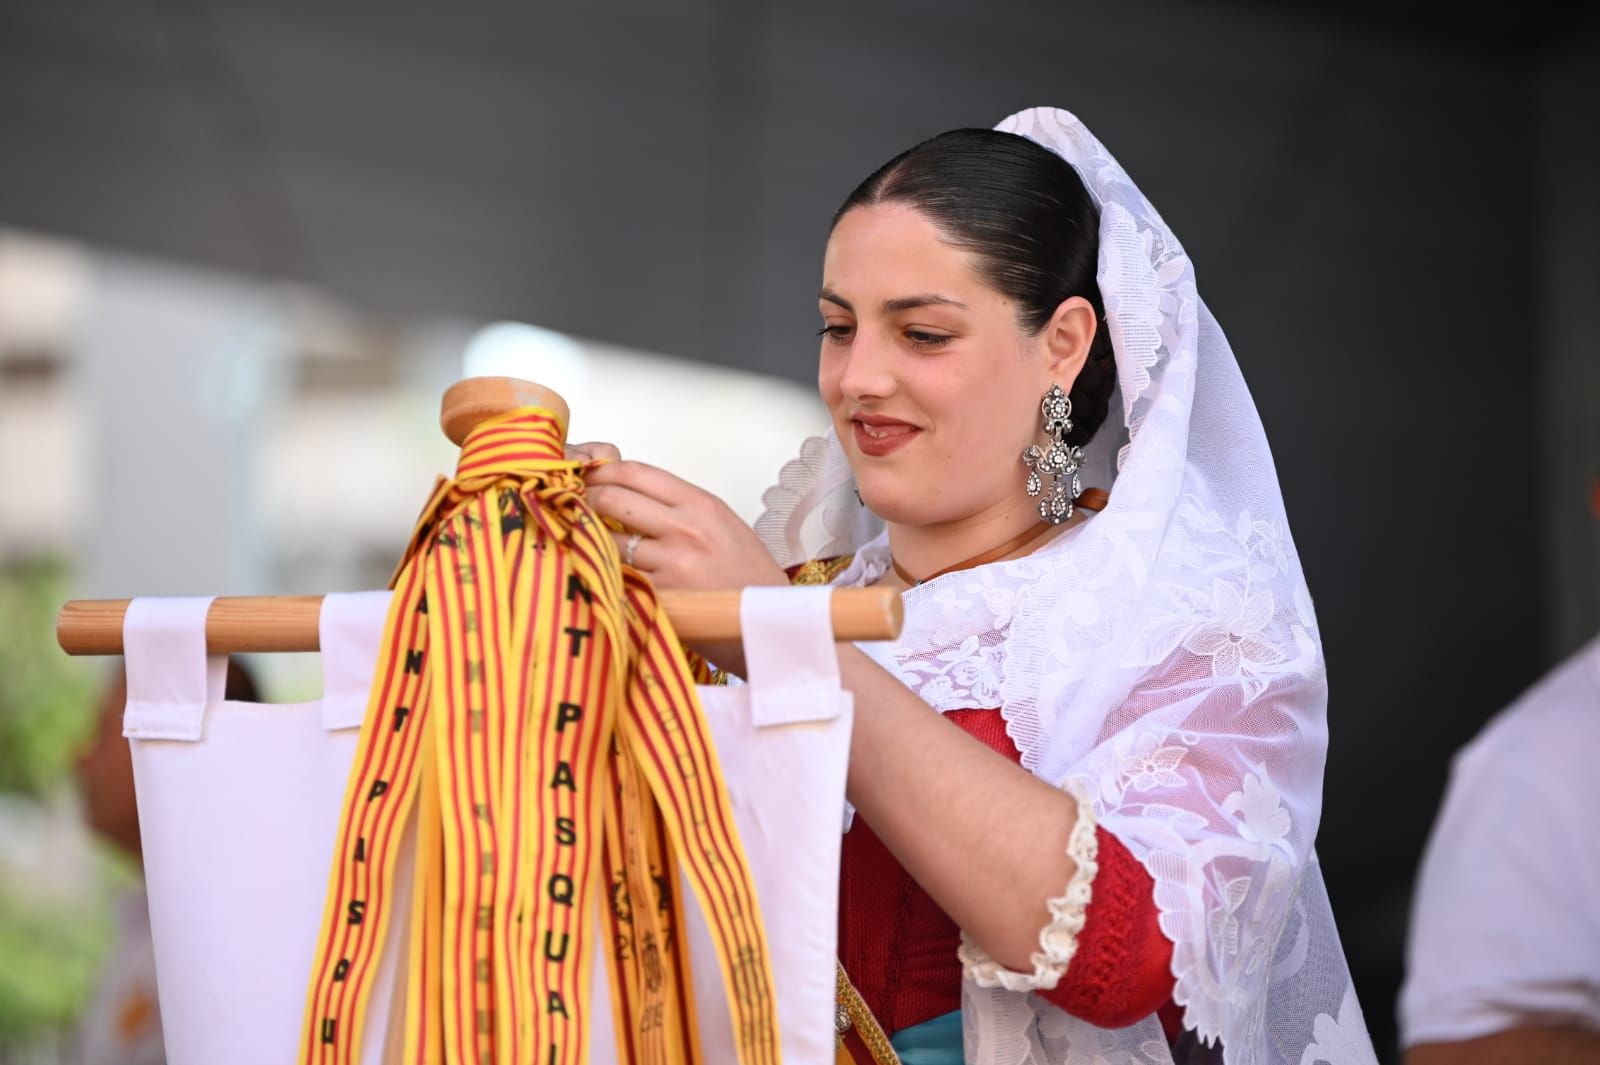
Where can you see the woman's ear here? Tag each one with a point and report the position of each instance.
(1067, 337)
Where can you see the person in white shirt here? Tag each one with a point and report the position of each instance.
(1503, 963)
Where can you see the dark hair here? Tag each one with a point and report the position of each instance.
(1023, 211)
(241, 683)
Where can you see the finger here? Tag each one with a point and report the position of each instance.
(594, 451)
(632, 509)
(644, 552)
(647, 480)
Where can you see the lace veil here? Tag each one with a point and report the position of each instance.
(1161, 658)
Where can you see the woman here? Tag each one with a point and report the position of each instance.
(1100, 848)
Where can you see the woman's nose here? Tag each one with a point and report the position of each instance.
(868, 373)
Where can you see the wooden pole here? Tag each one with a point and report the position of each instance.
(287, 623)
(477, 399)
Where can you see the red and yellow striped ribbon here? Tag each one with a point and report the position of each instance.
(533, 711)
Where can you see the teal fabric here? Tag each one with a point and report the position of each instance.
(935, 1042)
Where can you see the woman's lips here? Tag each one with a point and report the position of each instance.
(882, 438)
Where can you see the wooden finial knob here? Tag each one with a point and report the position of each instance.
(476, 399)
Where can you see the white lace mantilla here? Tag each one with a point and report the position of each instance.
(1164, 652)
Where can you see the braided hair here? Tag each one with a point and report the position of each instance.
(1024, 212)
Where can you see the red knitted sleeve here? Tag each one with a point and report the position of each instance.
(1122, 971)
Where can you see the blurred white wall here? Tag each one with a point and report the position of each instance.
(178, 430)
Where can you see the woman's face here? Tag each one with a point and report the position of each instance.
(933, 386)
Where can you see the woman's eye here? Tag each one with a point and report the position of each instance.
(836, 334)
(925, 340)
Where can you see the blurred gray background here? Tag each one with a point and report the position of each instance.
(1392, 208)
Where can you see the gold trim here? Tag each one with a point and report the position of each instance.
(862, 1020)
(820, 570)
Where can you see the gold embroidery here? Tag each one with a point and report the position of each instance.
(862, 1020)
(820, 570)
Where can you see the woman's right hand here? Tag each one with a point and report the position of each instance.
(594, 451)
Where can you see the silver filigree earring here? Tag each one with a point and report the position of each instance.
(1061, 463)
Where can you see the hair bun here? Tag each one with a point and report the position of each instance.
(1091, 392)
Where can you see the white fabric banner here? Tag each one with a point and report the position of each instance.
(239, 804)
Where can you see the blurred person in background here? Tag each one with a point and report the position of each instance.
(123, 1023)
(1503, 962)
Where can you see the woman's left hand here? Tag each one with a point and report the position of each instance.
(682, 535)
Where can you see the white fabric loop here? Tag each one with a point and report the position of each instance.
(792, 667)
(170, 677)
(350, 631)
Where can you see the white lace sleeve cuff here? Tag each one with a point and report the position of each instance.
(1058, 940)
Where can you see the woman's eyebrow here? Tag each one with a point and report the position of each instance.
(903, 303)
(926, 299)
(833, 297)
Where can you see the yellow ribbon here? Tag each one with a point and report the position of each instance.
(533, 707)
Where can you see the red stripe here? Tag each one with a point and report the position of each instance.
(640, 1053)
(610, 591)
(545, 434)
(507, 458)
(750, 917)
(342, 852)
(359, 967)
(578, 805)
(545, 856)
(616, 587)
(522, 425)
(546, 438)
(597, 693)
(577, 802)
(453, 721)
(714, 908)
(468, 872)
(516, 427)
(384, 827)
(454, 802)
(493, 543)
(482, 542)
(363, 952)
(695, 738)
(621, 982)
(539, 849)
(398, 637)
(592, 774)
(680, 933)
(367, 821)
(566, 617)
(719, 894)
(647, 638)
(518, 719)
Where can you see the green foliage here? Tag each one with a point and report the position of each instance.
(53, 933)
(46, 699)
(53, 950)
